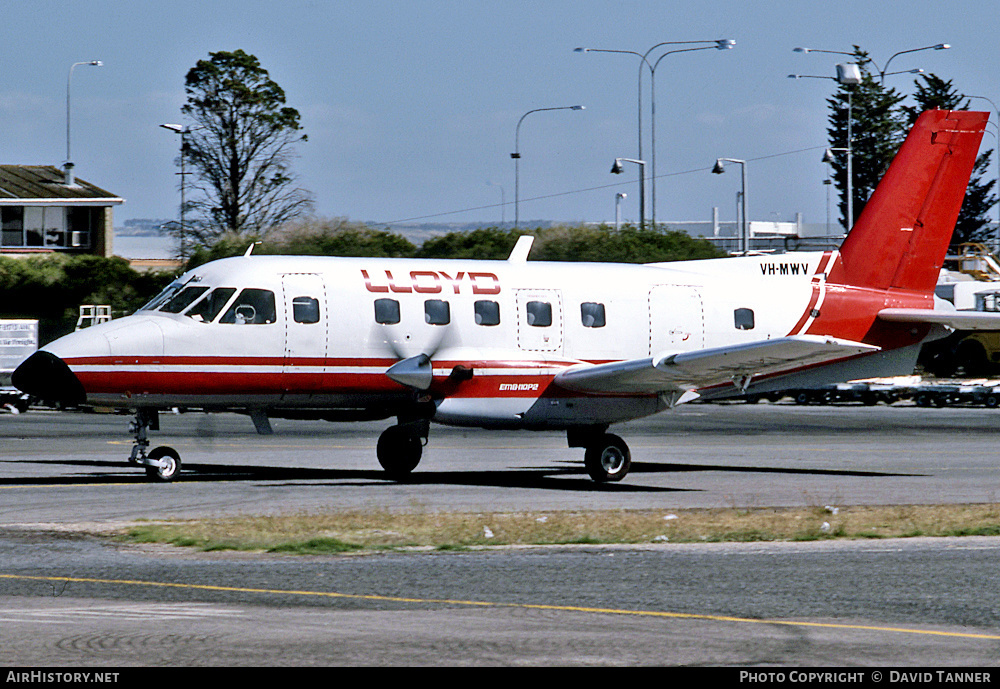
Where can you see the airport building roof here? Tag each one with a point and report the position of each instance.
(46, 183)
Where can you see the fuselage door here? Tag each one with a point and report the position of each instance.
(539, 320)
(676, 318)
(306, 331)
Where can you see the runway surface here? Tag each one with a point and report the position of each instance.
(75, 600)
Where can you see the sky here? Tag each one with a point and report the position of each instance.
(411, 108)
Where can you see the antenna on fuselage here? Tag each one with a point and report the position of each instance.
(250, 249)
(519, 254)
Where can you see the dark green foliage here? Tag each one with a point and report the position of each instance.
(51, 289)
(489, 243)
(568, 243)
(628, 245)
(562, 243)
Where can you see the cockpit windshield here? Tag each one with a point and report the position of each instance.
(183, 299)
(169, 292)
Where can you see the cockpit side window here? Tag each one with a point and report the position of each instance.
(183, 300)
(208, 308)
(252, 306)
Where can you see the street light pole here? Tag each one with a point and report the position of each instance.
(848, 74)
(643, 61)
(618, 209)
(182, 130)
(997, 124)
(516, 155)
(718, 170)
(722, 44)
(69, 83)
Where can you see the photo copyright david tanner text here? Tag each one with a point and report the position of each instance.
(890, 676)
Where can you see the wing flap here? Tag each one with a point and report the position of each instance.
(682, 371)
(959, 320)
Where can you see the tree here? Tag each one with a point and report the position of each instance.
(240, 148)
(877, 131)
(973, 219)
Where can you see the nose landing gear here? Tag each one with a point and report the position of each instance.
(162, 463)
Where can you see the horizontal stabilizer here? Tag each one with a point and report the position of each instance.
(706, 367)
(959, 320)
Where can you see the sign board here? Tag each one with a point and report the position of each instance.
(18, 341)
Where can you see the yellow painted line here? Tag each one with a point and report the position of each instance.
(522, 606)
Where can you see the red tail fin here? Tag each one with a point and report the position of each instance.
(902, 236)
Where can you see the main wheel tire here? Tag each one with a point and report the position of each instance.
(398, 452)
(171, 470)
(607, 458)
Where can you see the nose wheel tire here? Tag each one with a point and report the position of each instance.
(607, 458)
(171, 464)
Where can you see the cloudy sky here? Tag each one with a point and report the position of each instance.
(411, 107)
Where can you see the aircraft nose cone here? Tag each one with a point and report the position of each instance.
(46, 376)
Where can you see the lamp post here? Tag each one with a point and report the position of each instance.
(69, 84)
(503, 202)
(828, 158)
(516, 155)
(883, 72)
(721, 44)
(617, 169)
(720, 169)
(182, 130)
(848, 74)
(619, 197)
(996, 123)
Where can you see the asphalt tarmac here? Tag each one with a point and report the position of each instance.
(75, 600)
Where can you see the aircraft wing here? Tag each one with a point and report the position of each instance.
(959, 320)
(683, 371)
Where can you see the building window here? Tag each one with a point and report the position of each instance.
(743, 319)
(49, 226)
(437, 312)
(592, 315)
(12, 221)
(539, 313)
(386, 311)
(487, 312)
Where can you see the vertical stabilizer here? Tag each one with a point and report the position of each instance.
(902, 236)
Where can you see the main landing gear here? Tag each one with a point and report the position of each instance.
(163, 463)
(606, 456)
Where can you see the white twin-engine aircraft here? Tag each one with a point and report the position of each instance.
(517, 344)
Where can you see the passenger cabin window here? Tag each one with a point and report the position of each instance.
(487, 313)
(305, 310)
(252, 307)
(386, 311)
(743, 319)
(592, 315)
(208, 308)
(539, 313)
(183, 300)
(437, 312)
